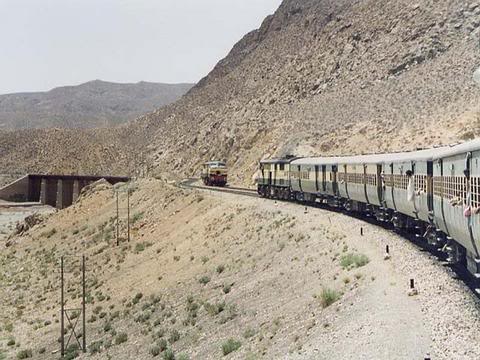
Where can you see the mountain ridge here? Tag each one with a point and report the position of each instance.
(95, 103)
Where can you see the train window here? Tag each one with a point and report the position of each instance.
(420, 182)
(437, 186)
(452, 188)
(388, 180)
(282, 167)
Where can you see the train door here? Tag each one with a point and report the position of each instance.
(380, 184)
(324, 178)
(430, 187)
(334, 180)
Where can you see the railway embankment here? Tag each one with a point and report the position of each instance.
(207, 271)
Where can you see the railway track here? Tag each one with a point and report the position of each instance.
(190, 184)
(460, 272)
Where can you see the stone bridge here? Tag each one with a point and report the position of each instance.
(59, 191)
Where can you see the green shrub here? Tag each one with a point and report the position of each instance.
(328, 297)
(214, 309)
(204, 280)
(139, 247)
(71, 352)
(121, 338)
(169, 355)
(155, 350)
(162, 344)
(11, 342)
(227, 288)
(354, 260)
(107, 327)
(183, 356)
(137, 298)
(96, 347)
(220, 269)
(230, 345)
(24, 354)
(174, 336)
(248, 333)
(137, 216)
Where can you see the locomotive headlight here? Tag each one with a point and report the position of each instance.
(476, 76)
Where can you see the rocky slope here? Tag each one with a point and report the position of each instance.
(319, 76)
(93, 104)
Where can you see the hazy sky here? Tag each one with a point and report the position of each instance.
(49, 43)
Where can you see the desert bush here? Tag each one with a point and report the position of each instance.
(230, 345)
(248, 333)
(354, 260)
(155, 350)
(95, 347)
(121, 338)
(137, 298)
(162, 344)
(214, 309)
(24, 354)
(227, 288)
(169, 355)
(328, 297)
(220, 269)
(204, 280)
(174, 336)
(137, 216)
(139, 247)
(107, 327)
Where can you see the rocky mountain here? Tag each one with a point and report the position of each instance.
(92, 104)
(318, 77)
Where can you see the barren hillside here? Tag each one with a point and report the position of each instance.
(319, 76)
(93, 104)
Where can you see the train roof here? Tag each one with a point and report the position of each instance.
(286, 160)
(419, 155)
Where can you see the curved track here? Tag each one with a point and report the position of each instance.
(190, 184)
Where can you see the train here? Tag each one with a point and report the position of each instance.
(432, 193)
(214, 173)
